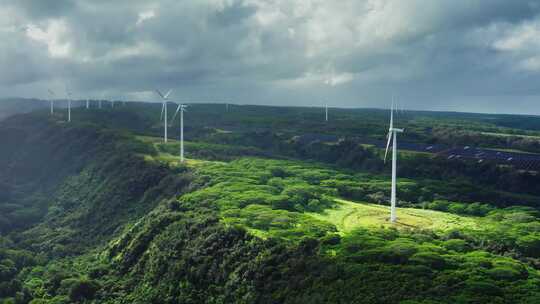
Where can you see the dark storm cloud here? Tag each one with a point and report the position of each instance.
(433, 54)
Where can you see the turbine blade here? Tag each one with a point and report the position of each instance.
(162, 111)
(176, 113)
(168, 93)
(387, 146)
(159, 93)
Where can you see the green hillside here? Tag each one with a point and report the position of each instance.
(347, 216)
(95, 213)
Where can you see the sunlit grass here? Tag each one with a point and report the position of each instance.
(348, 215)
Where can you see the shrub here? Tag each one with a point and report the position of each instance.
(457, 208)
(429, 259)
(439, 205)
(529, 245)
(278, 172)
(331, 239)
(483, 288)
(478, 209)
(456, 245)
(83, 290)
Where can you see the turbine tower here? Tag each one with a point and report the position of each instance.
(326, 111)
(68, 93)
(87, 103)
(164, 111)
(392, 137)
(52, 101)
(181, 108)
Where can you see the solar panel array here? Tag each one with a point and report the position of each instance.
(522, 161)
(518, 160)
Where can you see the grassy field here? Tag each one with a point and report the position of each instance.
(345, 216)
(348, 216)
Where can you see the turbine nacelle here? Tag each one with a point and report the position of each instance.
(180, 108)
(166, 96)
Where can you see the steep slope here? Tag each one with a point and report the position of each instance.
(12, 106)
(68, 189)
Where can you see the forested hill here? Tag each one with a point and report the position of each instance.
(12, 106)
(94, 215)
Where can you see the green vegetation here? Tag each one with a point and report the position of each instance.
(91, 213)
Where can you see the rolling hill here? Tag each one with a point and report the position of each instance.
(101, 213)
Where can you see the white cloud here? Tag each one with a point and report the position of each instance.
(54, 36)
(338, 79)
(524, 37)
(237, 47)
(521, 42)
(146, 15)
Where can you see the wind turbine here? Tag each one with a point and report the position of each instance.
(392, 136)
(164, 112)
(181, 108)
(87, 103)
(68, 93)
(52, 101)
(326, 112)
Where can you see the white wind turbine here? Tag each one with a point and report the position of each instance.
(164, 112)
(52, 101)
(326, 112)
(87, 103)
(68, 93)
(392, 136)
(181, 108)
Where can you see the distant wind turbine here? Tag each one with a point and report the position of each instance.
(68, 93)
(52, 101)
(392, 137)
(164, 112)
(87, 103)
(326, 112)
(181, 108)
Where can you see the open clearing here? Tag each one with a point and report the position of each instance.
(348, 216)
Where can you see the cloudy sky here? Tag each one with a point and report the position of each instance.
(462, 55)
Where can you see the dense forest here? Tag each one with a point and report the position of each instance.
(100, 210)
